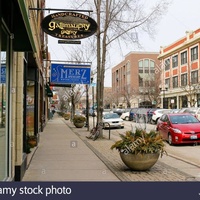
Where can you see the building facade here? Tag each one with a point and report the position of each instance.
(135, 80)
(23, 109)
(181, 71)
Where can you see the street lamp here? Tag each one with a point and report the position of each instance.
(87, 108)
(163, 90)
(93, 114)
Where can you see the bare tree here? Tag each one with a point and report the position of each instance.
(153, 90)
(117, 19)
(71, 95)
(128, 94)
(191, 90)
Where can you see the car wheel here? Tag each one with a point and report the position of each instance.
(157, 120)
(126, 118)
(170, 139)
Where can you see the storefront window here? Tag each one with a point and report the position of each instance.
(184, 102)
(30, 108)
(4, 151)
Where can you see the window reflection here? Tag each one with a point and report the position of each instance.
(3, 138)
(4, 147)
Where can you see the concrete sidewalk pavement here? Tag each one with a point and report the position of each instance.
(62, 156)
(65, 154)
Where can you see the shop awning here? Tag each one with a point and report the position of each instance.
(23, 30)
(49, 92)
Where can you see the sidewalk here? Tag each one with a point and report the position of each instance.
(62, 156)
(65, 154)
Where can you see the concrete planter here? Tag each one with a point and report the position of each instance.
(139, 162)
(79, 124)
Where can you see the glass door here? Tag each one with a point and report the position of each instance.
(4, 138)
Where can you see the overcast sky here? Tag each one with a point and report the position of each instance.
(182, 16)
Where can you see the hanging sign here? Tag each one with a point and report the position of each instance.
(69, 25)
(70, 74)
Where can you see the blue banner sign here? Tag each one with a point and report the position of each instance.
(3, 74)
(70, 74)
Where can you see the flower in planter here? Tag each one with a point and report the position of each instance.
(141, 142)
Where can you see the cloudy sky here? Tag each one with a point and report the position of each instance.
(182, 16)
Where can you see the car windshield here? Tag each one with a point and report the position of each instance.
(183, 119)
(111, 116)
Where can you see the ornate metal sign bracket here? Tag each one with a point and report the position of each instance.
(63, 10)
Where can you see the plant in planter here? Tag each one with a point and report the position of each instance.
(31, 141)
(66, 116)
(140, 150)
(79, 121)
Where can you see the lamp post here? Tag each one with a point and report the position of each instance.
(87, 108)
(93, 114)
(163, 90)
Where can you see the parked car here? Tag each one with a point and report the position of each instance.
(78, 112)
(176, 110)
(157, 114)
(179, 128)
(107, 111)
(182, 110)
(193, 110)
(91, 112)
(119, 111)
(132, 114)
(125, 116)
(150, 114)
(142, 113)
(112, 120)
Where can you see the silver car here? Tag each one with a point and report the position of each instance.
(112, 120)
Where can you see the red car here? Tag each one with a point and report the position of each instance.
(179, 128)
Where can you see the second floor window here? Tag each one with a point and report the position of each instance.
(194, 77)
(194, 53)
(183, 79)
(175, 61)
(141, 66)
(152, 67)
(184, 58)
(167, 64)
(175, 82)
(167, 82)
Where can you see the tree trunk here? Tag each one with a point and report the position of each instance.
(99, 69)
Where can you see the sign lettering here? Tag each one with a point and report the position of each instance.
(70, 74)
(69, 25)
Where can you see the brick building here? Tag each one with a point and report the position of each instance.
(135, 80)
(180, 71)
